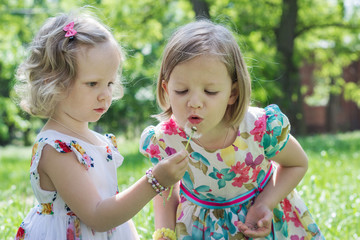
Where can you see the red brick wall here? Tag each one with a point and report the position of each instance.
(345, 114)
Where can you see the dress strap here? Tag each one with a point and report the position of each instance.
(228, 203)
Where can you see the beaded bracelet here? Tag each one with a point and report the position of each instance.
(166, 233)
(154, 183)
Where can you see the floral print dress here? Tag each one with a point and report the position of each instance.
(52, 218)
(219, 186)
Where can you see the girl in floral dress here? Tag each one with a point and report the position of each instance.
(71, 77)
(244, 163)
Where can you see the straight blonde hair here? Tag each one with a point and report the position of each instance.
(203, 37)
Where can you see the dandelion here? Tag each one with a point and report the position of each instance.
(192, 135)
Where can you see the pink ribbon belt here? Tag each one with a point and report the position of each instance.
(228, 203)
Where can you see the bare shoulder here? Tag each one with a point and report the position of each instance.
(54, 166)
(50, 157)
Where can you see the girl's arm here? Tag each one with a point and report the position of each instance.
(292, 166)
(72, 181)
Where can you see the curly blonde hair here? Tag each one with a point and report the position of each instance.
(203, 37)
(45, 77)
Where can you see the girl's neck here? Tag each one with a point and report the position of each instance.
(81, 131)
(221, 141)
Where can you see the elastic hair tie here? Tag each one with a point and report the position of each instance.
(70, 31)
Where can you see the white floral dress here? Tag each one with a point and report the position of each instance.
(219, 186)
(52, 218)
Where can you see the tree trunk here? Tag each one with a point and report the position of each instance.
(331, 111)
(291, 100)
(201, 9)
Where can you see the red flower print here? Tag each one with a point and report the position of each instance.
(32, 160)
(260, 128)
(237, 168)
(70, 213)
(182, 133)
(255, 173)
(240, 168)
(108, 149)
(154, 151)
(239, 181)
(286, 206)
(290, 216)
(170, 127)
(20, 234)
(296, 237)
(63, 146)
(87, 160)
(224, 226)
(219, 175)
(70, 234)
(296, 220)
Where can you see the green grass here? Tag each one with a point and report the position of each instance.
(330, 188)
(331, 185)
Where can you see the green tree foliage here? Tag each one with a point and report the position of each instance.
(279, 36)
(142, 28)
(324, 33)
(19, 20)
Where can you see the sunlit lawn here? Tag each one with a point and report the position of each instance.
(330, 187)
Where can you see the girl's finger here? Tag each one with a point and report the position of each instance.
(259, 232)
(181, 156)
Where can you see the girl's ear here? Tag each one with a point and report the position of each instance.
(234, 93)
(164, 86)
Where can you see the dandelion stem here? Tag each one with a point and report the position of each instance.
(193, 130)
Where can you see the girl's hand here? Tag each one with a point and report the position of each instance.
(257, 222)
(171, 169)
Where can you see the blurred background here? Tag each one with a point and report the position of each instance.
(303, 55)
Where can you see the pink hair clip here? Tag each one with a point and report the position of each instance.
(70, 31)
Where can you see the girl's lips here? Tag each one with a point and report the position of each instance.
(100, 110)
(195, 120)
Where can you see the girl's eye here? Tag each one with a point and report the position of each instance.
(210, 92)
(110, 83)
(181, 92)
(91, 84)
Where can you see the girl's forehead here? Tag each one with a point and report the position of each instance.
(205, 69)
(194, 81)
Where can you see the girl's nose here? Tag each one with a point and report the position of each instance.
(105, 94)
(195, 101)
